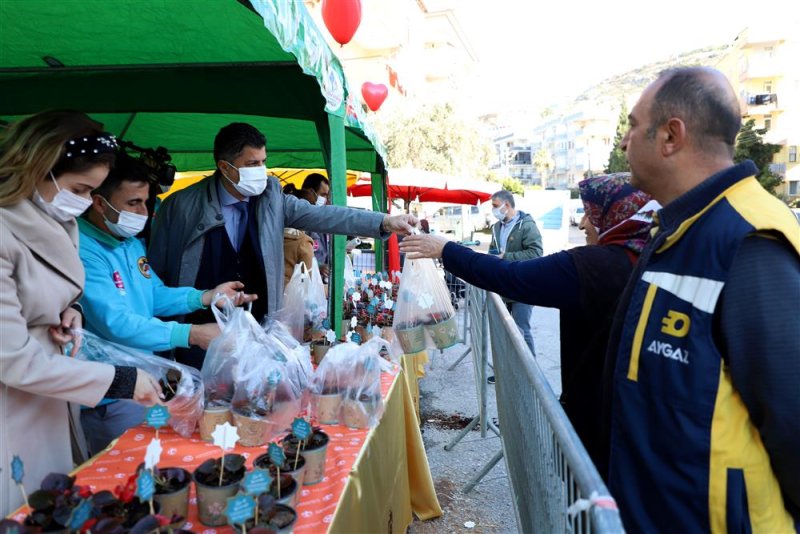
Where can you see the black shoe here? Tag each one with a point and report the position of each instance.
(490, 380)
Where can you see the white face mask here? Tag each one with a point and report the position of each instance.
(128, 225)
(321, 201)
(65, 206)
(499, 213)
(252, 180)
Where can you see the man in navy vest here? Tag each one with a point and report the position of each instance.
(704, 357)
(229, 226)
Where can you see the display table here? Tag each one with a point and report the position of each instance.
(374, 479)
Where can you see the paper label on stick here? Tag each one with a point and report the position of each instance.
(17, 469)
(388, 304)
(257, 482)
(356, 297)
(240, 509)
(301, 429)
(353, 322)
(225, 436)
(157, 416)
(330, 336)
(276, 454)
(153, 454)
(80, 515)
(145, 485)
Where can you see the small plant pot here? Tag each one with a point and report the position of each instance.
(412, 339)
(315, 454)
(387, 333)
(327, 407)
(288, 495)
(214, 415)
(286, 511)
(357, 413)
(444, 334)
(318, 352)
(263, 462)
(364, 333)
(176, 502)
(253, 431)
(211, 502)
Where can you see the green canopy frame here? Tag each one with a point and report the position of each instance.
(171, 73)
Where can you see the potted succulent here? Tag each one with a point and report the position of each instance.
(290, 467)
(183, 395)
(327, 399)
(172, 490)
(443, 329)
(411, 337)
(360, 407)
(217, 479)
(271, 517)
(216, 412)
(314, 449)
(319, 348)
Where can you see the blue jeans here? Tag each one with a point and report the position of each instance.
(104, 424)
(522, 316)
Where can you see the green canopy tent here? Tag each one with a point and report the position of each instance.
(171, 73)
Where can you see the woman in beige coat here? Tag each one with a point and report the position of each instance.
(49, 163)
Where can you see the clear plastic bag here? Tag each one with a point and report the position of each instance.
(424, 309)
(349, 274)
(266, 395)
(240, 333)
(304, 303)
(346, 387)
(181, 385)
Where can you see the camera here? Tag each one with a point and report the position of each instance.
(158, 162)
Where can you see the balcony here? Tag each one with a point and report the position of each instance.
(761, 104)
(763, 67)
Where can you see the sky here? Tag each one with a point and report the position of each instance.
(533, 52)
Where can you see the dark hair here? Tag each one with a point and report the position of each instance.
(126, 169)
(231, 140)
(691, 94)
(290, 189)
(504, 196)
(314, 180)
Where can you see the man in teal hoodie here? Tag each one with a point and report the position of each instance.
(123, 298)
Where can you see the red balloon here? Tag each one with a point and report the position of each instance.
(342, 18)
(374, 94)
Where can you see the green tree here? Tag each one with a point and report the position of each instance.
(750, 145)
(434, 138)
(617, 162)
(513, 185)
(543, 163)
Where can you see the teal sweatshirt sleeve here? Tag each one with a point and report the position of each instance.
(169, 301)
(108, 315)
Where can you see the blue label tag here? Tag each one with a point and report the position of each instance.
(370, 294)
(240, 509)
(80, 515)
(357, 272)
(301, 429)
(157, 416)
(276, 454)
(17, 469)
(358, 282)
(368, 276)
(350, 292)
(274, 377)
(371, 309)
(256, 482)
(355, 338)
(145, 485)
(379, 277)
(326, 324)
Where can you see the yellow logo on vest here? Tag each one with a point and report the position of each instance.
(144, 267)
(676, 324)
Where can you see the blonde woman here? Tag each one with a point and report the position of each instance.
(49, 164)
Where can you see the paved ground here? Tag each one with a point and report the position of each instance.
(448, 402)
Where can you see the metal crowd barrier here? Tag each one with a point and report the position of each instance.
(476, 318)
(555, 485)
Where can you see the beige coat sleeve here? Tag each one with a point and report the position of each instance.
(26, 365)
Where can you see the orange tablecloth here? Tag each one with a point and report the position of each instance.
(316, 504)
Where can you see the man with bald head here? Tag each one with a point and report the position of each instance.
(703, 372)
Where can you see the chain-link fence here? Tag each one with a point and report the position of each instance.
(556, 486)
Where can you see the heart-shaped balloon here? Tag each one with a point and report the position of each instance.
(374, 94)
(342, 18)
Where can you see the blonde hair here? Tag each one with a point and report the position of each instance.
(33, 147)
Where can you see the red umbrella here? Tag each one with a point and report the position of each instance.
(409, 185)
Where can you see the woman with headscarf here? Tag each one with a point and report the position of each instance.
(584, 283)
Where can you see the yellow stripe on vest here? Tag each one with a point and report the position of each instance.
(636, 348)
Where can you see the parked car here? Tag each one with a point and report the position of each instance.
(449, 218)
(576, 211)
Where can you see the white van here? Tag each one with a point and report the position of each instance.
(449, 219)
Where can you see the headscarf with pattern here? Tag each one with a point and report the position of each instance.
(615, 208)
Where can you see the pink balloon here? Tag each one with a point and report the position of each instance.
(342, 18)
(374, 94)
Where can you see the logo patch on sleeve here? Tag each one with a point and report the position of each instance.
(144, 266)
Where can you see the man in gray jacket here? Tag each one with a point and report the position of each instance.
(231, 224)
(515, 237)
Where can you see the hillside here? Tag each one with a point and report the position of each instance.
(634, 81)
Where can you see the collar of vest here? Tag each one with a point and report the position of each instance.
(696, 200)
